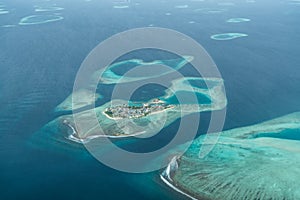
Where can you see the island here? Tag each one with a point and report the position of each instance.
(119, 118)
(135, 111)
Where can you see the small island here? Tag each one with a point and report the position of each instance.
(136, 111)
(119, 118)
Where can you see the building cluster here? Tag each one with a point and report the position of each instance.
(126, 111)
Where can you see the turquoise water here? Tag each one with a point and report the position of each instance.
(264, 155)
(289, 134)
(184, 97)
(198, 84)
(38, 65)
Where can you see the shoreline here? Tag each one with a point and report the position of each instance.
(75, 138)
(88, 139)
(165, 176)
(169, 184)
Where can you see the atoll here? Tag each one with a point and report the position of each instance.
(119, 118)
(84, 97)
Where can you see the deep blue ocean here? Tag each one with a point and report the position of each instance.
(38, 65)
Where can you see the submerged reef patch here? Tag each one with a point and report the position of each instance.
(8, 26)
(182, 6)
(228, 36)
(210, 10)
(2, 12)
(121, 6)
(238, 20)
(108, 75)
(77, 100)
(39, 19)
(47, 8)
(255, 162)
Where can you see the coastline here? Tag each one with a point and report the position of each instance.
(169, 184)
(74, 135)
(88, 139)
(166, 177)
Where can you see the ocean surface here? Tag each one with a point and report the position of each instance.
(39, 62)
